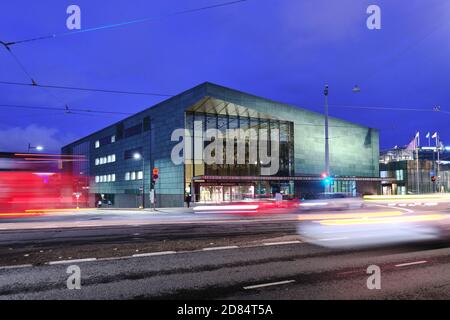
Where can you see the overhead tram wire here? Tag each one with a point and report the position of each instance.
(434, 109)
(125, 23)
(66, 110)
(26, 72)
(50, 86)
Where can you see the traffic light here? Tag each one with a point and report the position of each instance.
(155, 174)
(326, 178)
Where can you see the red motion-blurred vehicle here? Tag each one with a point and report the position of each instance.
(22, 191)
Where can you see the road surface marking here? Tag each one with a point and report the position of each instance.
(399, 208)
(410, 263)
(268, 284)
(16, 266)
(281, 243)
(333, 239)
(220, 248)
(150, 254)
(71, 261)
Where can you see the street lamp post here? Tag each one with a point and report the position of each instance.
(37, 148)
(327, 146)
(356, 89)
(138, 156)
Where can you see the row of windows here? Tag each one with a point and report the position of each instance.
(105, 178)
(108, 159)
(134, 175)
(104, 141)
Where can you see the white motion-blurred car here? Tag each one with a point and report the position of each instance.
(332, 201)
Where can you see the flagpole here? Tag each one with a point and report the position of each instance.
(438, 160)
(417, 162)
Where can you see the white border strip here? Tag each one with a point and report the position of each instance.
(16, 266)
(151, 254)
(281, 243)
(71, 261)
(410, 263)
(268, 284)
(220, 248)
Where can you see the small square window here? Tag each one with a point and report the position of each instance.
(113, 139)
(113, 177)
(97, 179)
(139, 175)
(97, 161)
(127, 176)
(97, 144)
(133, 175)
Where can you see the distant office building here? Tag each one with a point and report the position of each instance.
(123, 155)
(427, 175)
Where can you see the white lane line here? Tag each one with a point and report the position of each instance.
(410, 263)
(16, 266)
(71, 261)
(281, 243)
(333, 239)
(399, 208)
(150, 254)
(268, 284)
(220, 248)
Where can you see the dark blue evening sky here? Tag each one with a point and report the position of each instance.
(285, 50)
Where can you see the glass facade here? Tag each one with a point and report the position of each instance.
(239, 158)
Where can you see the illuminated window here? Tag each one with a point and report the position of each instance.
(97, 162)
(97, 144)
(113, 139)
(113, 158)
(113, 177)
(108, 178)
(133, 175)
(127, 176)
(139, 175)
(108, 159)
(97, 179)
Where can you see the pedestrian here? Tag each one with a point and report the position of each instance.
(188, 199)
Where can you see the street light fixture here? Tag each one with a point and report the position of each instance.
(37, 148)
(138, 156)
(356, 89)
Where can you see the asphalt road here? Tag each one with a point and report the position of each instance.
(312, 273)
(180, 256)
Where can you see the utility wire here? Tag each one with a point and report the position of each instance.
(25, 71)
(124, 23)
(64, 109)
(84, 89)
(435, 109)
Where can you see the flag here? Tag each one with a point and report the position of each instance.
(412, 145)
(428, 135)
(434, 135)
(417, 138)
